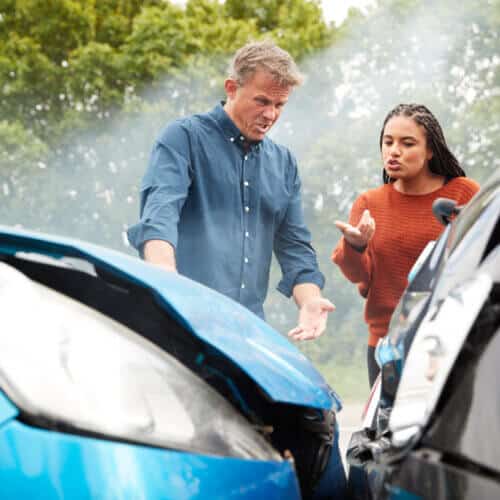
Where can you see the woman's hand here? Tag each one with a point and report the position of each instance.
(359, 236)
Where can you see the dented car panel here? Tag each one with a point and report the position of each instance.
(128, 380)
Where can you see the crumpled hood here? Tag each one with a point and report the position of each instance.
(267, 357)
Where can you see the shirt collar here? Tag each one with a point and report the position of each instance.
(231, 131)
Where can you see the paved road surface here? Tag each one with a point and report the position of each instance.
(349, 421)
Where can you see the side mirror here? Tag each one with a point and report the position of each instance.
(444, 208)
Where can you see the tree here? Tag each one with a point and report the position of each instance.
(79, 115)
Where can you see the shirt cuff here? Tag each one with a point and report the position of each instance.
(285, 286)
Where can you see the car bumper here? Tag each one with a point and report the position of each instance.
(37, 463)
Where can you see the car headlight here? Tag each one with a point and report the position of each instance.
(62, 362)
(434, 351)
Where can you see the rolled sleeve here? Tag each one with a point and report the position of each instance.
(292, 246)
(289, 281)
(163, 193)
(159, 218)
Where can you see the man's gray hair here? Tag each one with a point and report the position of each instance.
(265, 55)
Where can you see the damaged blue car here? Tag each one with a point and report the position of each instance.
(118, 380)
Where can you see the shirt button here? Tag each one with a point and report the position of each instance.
(246, 184)
(231, 139)
(247, 209)
(247, 234)
(242, 138)
(245, 157)
(246, 260)
(243, 285)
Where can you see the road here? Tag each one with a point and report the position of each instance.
(349, 421)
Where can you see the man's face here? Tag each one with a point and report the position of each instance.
(256, 105)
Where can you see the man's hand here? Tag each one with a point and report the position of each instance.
(312, 319)
(359, 236)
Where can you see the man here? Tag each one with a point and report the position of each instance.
(219, 196)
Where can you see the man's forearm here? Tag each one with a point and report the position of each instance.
(160, 253)
(304, 292)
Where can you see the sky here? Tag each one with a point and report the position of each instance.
(336, 10)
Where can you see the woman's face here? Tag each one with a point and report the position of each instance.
(404, 149)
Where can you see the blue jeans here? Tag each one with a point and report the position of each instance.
(333, 484)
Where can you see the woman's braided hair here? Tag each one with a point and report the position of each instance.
(443, 161)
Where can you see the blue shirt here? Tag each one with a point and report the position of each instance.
(225, 207)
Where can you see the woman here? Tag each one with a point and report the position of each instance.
(389, 226)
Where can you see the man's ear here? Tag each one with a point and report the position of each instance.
(230, 86)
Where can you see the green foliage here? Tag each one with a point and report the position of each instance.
(296, 24)
(158, 38)
(78, 61)
(434, 54)
(349, 380)
(95, 77)
(216, 32)
(28, 79)
(19, 148)
(86, 85)
(57, 26)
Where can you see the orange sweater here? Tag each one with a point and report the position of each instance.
(404, 225)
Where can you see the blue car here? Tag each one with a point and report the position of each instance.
(119, 380)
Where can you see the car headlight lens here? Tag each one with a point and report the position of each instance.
(435, 349)
(63, 362)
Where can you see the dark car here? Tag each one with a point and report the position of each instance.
(119, 380)
(430, 424)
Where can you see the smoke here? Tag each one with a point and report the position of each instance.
(442, 56)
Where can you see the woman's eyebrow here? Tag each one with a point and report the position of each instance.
(404, 138)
